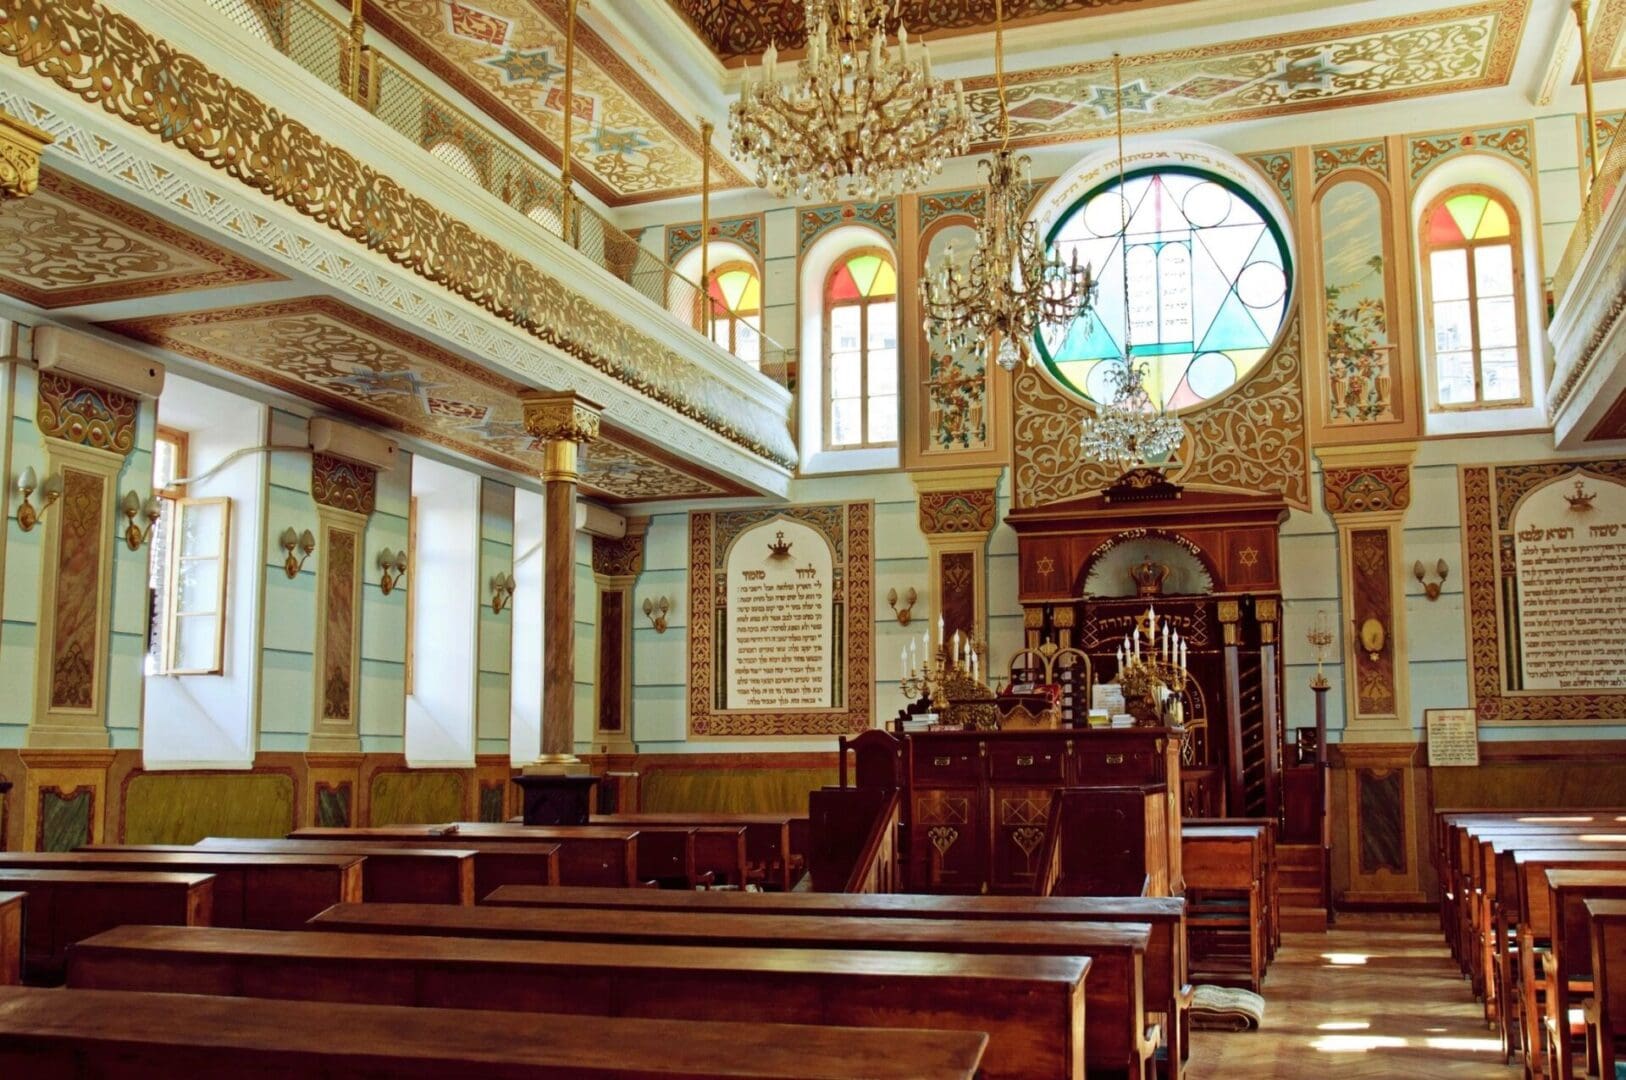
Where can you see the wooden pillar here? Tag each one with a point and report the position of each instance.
(1267, 610)
(563, 422)
(616, 566)
(1230, 617)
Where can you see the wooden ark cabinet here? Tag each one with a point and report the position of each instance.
(977, 803)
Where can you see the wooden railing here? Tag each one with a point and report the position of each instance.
(877, 867)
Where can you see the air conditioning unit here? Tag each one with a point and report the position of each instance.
(352, 443)
(596, 520)
(97, 361)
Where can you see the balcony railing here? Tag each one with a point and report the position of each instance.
(1599, 195)
(323, 45)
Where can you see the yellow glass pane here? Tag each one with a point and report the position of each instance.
(886, 281)
(733, 283)
(1467, 210)
(863, 269)
(752, 298)
(1494, 223)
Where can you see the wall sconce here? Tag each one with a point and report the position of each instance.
(392, 567)
(1431, 589)
(133, 507)
(904, 613)
(304, 543)
(655, 610)
(27, 482)
(502, 592)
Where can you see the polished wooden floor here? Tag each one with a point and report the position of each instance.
(1376, 997)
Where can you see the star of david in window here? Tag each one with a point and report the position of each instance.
(1248, 556)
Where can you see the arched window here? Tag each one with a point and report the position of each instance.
(736, 310)
(1473, 284)
(861, 351)
(1208, 277)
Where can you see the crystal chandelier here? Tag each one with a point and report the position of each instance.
(860, 119)
(1009, 287)
(1129, 428)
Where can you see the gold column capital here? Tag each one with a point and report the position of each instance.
(1230, 617)
(20, 146)
(563, 421)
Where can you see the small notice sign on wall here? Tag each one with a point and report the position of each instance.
(1453, 737)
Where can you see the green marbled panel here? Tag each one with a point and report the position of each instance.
(183, 808)
(731, 791)
(65, 820)
(417, 798)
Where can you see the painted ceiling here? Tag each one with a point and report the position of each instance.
(738, 30)
(1608, 42)
(327, 352)
(1419, 53)
(507, 58)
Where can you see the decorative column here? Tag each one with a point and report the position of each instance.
(956, 513)
(556, 785)
(88, 432)
(20, 146)
(1367, 489)
(1230, 617)
(616, 566)
(345, 494)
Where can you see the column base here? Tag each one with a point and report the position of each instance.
(68, 736)
(555, 798)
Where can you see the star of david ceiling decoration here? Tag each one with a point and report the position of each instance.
(1412, 55)
(738, 30)
(324, 351)
(507, 58)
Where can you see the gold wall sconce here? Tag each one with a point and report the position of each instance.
(502, 592)
(134, 507)
(906, 612)
(27, 483)
(304, 543)
(392, 567)
(655, 610)
(1431, 589)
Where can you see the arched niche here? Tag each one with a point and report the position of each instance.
(1367, 375)
(1106, 574)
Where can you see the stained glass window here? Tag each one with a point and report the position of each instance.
(861, 352)
(736, 310)
(1208, 276)
(1473, 274)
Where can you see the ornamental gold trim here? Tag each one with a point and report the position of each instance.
(20, 147)
(108, 59)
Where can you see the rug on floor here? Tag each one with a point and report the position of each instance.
(1223, 1008)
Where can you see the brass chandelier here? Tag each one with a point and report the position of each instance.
(859, 120)
(1010, 287)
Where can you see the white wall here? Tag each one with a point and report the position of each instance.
(207, 721)
(525, 710)
(445, 575)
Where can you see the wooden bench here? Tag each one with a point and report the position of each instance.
(1568, 970)
(1032, 1008)
(1116, 1039)
(1166, 988)
(11, 938)
(1225, 872)
(267, 892)
(65, 906)
(1271, 886)
(767, 837)
(586, 854)
(426, 875)
(54, 1033)
(1606, 1013)
(496, 862)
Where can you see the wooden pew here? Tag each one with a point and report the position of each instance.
(65, 906)
(767, 837)
(1225, 871)
(1606, 1014)
(1271, 886)
(723, 853)
(1569, 967)
(1166, 988)
(1116, 1039)
(11, 938)
(390, 875)
(586, 854)
(53, 1033)
(496, 862)
(266, 892)
(1032, 1008)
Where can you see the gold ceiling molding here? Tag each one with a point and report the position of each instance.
(737, 30)
(71, 245)
(324, 351)
(20, 146)
(107, 58)
(1608, 42)
(1391, 59)
(507, 57)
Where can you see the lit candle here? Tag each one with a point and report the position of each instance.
(925, 60)
(903, 42)
(940, 636)
(956, 646)
(1166, 653)
(770, 57)
(1151, 624)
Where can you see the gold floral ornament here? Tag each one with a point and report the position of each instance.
(20, 146)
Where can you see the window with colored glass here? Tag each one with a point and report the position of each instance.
(861, 352)
(736, 311)
(1473, 277)
(1193, 275)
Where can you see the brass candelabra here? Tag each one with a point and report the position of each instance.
(1152, 671)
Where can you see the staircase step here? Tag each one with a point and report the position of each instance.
(1298, 878)
(1303, 919)
(1299, 896)
(1307, 856)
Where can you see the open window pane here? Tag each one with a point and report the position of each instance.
(195, 595)
(197, 586)
(195, 643)
(202, 529)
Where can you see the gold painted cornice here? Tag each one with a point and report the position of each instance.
(108, 59)
(20, 146)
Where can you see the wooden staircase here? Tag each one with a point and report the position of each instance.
(1301, 887)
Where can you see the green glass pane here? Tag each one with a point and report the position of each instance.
(1233, 328)
(1467, 210)
(1494, 223)
(1088, 339)
(863, 269)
